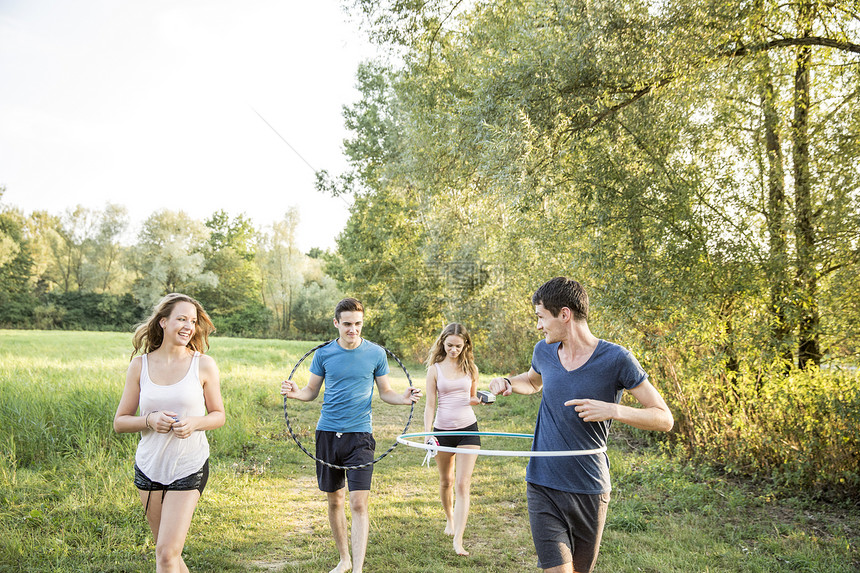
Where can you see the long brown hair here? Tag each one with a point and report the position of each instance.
(466, 359)
(149, 335)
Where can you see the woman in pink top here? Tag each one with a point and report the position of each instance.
(452, 377)
(177, 390)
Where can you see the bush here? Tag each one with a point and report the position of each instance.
(92, 311)
(796, 431)
(250, 321)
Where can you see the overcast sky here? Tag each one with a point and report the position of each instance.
(152, 105)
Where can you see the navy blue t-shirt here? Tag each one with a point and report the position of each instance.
(609, 370)
(349, 375)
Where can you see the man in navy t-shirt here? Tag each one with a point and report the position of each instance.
(582, 379)
(349, 366)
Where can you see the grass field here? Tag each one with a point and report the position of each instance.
(67, 502)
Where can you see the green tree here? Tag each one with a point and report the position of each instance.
(622, 139)
(314, 305)
(281, 265)
(104, 261)
(16, 264)
(169, 256)
(236, 302)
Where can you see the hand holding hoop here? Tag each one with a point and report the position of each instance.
(411, 396)
(290, 387)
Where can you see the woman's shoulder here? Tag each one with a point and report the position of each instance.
(206, 361)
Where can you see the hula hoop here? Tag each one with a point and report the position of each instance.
(323, 462)
(404, 439)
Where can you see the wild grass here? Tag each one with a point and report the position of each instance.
(67, 502)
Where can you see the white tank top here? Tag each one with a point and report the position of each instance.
(453, 411)
(164, 458)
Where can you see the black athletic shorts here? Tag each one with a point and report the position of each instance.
(457, 441)
(566, 527)
(197, 481)
(344, 449)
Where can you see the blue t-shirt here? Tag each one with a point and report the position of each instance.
(609, 370)
(349, 376)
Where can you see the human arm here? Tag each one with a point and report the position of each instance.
(473, 391)
(430, 404)
(526, 383)
(215, 415)
(653, 415)
(126, 419)
(410, 396)
(291, 390)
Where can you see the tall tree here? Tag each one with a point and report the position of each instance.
(16, 264)
(104, 261)
(622, 136)
(281, 266)
(230, 256)
(169, 256)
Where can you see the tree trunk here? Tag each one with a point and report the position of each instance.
(780, 284)
(808, 351)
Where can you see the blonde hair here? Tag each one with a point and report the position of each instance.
(149, 335)
(466, 359)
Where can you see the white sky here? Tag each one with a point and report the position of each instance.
(151, 105)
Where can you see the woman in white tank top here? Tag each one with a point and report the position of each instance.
(452, 379)
(177, 390)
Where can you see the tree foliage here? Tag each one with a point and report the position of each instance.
(695, 164)
(73, 270)
(169, 256)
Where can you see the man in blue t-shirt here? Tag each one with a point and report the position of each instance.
(349, 366)
(582, 379)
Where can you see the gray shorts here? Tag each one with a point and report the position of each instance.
(566, 527)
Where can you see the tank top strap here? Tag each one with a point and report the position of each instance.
(195, 366)
(144, 370)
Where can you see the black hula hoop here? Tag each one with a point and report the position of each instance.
(323, 462)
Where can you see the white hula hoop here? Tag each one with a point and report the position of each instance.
(405, 439)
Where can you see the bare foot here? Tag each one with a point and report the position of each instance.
(342, 567)
(449, 529)
(458, 547)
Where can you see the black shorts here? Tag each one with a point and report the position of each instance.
(344, 449)
(457, 441)
(197, 481)
(566, 527)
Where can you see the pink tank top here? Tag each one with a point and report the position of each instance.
(453, 411)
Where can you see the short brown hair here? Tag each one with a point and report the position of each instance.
(562, 292)
(348, 305)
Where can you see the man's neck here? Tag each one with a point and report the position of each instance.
(579, 341)
(346, 346)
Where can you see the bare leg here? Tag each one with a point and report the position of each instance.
(465, 464)
(337, 522)
(152, 508)
(445, 463)
(169, 522)
(564, 568)
(358, 505)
